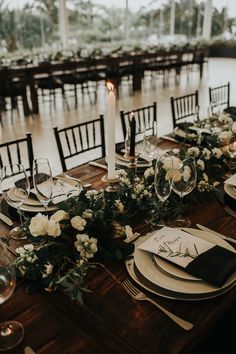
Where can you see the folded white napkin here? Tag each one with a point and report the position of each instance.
(231, 180)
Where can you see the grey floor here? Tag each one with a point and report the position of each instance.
(216, 72)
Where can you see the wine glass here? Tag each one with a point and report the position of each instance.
(184, 181)
(231, 149)
(43, 181)
(163, 183)
(11, 332)
(15, 189)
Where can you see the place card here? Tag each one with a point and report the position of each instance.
(198, 257)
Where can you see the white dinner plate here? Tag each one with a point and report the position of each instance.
(172, 270)
(230, 190)
(145, 265)
(155, 289)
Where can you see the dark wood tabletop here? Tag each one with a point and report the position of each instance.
(110, 321)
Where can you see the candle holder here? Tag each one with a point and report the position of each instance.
(112, 184)
(132, 165)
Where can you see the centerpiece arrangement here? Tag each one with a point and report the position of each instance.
(93, 227)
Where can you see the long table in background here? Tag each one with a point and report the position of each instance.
(110, 67)
(110, 321)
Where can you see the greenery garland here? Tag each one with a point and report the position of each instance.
(94, 227)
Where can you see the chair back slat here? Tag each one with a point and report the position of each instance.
(219, 96)
(183, 108)
(144, 116)
(19, 151)
(80, 139)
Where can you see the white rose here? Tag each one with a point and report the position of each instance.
(186, 173)
(38, 225)
(53, 228)
(59, 216)
(175, 151)
(78, 223)
(206, 153)
(225, 136)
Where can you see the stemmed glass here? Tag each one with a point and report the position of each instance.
(15, 189)
(163, 183)
(43, 181)
(231, 149)
(11, 332)
(184, 181)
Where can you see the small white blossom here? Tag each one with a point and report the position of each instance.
(234, 127)
(87, 214)
(186, 173)
(224, 137)
(176, 151)
(217, 152)
(78, 223)
(48, 270)
(86, 246)
(193, 151)
(206, 153)
(201, 164)
(205, 177)
(149, 172)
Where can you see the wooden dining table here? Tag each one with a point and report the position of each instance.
(110, 321)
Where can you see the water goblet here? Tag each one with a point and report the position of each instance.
(11, 332)
(184, 181)
(43, 181)
(231, 149)
(15, 189)
(162, 184)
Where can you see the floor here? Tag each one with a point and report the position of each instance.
(216, 72)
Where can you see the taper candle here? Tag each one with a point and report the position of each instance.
(132, 135)
(111, 115)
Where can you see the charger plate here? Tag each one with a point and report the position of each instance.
(155, 289)
(191, 289)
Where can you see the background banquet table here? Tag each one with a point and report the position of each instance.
(110, 321)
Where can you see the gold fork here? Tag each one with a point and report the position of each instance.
(139, 295)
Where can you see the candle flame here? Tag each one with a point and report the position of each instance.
(110, 86)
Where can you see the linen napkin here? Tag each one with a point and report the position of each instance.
(196, 256)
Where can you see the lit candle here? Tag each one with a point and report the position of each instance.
(111, 115)
(132, 135)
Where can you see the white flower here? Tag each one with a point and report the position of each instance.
(225, 136)
(120, 206)
(186, 173)
(92, 194)
(204, 186)
(78, 223)
(146, 193)
(48, 269)
(29, 247)
(176, 151)
(176, 175)
(149, 172)
(53, 228)
(205, 177)
(206, 153)
(138, 188)
(86, 246)
(234, 127)
(38, 225)
(201, 164)
(217, 152)
(59, 215)
(87, 214)
(193, 151)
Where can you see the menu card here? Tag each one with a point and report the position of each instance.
(198, 257)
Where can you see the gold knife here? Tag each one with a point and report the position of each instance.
(226, 238)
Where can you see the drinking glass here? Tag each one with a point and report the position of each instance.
(11, 332)
(231, 149)
(43, 181)
(184, 181)
(163, 183)
(15, 189)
